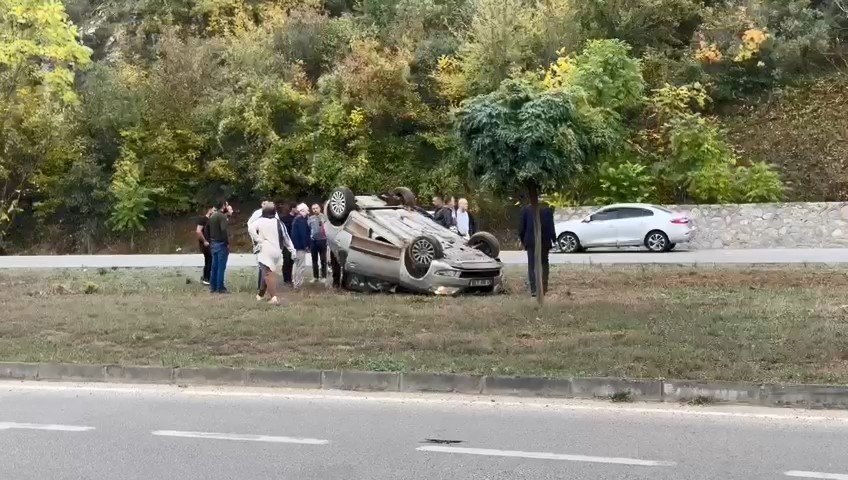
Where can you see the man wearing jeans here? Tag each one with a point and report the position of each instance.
(528, 239)
(219, 236)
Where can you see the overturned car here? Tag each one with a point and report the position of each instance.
(386, 243)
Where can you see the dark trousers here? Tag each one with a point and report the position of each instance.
(531, 268)
(261, 282)
(319, 251)
(220, 254)
(207, 262)
(337, 271)
(288, 265)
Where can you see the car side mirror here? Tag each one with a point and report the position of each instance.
(587, 219)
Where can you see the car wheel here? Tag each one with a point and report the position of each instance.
(407, 197)
(486, 243)
(671, 246)
(568, 243)
(421, 253)
(341, 203)
(657, 241)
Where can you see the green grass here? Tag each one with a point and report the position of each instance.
(769, 325)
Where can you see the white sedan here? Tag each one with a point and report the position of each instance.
(625, 225)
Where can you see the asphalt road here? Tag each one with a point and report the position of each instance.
(693, 257)
(64, 432)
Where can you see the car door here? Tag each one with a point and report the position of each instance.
(631, 225)
(600, 229)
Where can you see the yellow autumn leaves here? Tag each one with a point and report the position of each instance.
(752, 41)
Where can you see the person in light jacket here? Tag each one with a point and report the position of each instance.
(271, 237)
(466, 224)
(256, 215)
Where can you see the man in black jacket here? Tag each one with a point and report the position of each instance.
(443, 215)
(289, 213)
(528, 240)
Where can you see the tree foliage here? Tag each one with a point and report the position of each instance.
(38, 53)
(192, 100)
(520, 137)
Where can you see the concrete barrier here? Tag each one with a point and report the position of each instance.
(616, 389)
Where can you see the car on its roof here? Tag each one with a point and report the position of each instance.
(625, 225)
(386, 242)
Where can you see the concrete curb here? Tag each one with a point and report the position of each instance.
(683, 391)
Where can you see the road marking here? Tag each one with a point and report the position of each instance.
(240, 437)
(802, 474)
(546, 456)
(43, 426)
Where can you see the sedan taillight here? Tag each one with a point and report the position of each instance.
(680, 221)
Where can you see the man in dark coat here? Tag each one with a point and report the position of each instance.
(443, 215)
(288, 216)
(528, 240)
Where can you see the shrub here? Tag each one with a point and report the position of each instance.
(713, 182)
(626, 182)
(758, 183)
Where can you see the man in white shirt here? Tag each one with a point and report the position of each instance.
(256, 215)
(465, 224)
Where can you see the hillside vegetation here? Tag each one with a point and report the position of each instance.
(115, 114)
(804, 130)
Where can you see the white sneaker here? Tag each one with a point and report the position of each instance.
(258, 298)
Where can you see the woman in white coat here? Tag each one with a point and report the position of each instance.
(272, 237)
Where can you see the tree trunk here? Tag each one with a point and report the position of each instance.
(537, 237)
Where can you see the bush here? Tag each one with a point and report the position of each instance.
(758, 183)
(626, 182)
(713, 182)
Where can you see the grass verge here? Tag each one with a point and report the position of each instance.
(767, 325)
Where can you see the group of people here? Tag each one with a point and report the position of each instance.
(282, 235)
(454, 214)
(282, 242)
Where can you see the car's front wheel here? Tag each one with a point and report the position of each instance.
(486, 243)
(421, 253)
(657, 241)
(568, 243)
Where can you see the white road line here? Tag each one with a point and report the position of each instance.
(802, 474)
(43, 426)
(546, 456)
(240, 437)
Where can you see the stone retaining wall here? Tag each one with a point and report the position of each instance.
(761, 225)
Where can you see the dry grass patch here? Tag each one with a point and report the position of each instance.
(767, 324)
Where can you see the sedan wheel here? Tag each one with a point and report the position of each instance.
(423, 252)
(338, 204)
(657, 241)
(568, 243)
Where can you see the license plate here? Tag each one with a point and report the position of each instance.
(481, 283)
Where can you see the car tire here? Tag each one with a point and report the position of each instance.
(421, 253)
(341, 203)
(568, 242)
(657, 241)
(486, 243)
(671, 246)
(407, 197)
